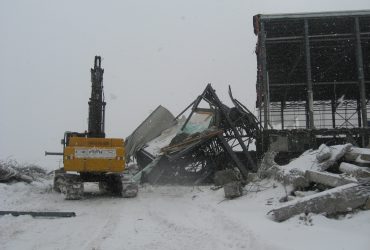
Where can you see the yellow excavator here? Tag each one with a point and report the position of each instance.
(89, 156)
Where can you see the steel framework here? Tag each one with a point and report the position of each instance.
(195, 157)
(313, 73)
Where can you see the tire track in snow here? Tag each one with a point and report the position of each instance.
(180, 236)
(234, 234)
(202, 226)
(105, 231)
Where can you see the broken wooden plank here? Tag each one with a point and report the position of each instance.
(327, 179)
(39, 214)
(340, 199)
(354, 170)
(190, 140)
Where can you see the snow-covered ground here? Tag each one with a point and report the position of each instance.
(170, 217)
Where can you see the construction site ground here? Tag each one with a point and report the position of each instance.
(170, 217)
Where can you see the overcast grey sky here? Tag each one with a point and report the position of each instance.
(154, 52)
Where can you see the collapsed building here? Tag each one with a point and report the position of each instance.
(188, 150)
(313, 75)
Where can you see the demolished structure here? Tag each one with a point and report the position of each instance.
(192, 149)
(313, 75)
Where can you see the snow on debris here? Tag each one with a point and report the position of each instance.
(309, 160)
(327, 192)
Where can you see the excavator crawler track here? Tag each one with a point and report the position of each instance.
(114, 184)
(70, 185)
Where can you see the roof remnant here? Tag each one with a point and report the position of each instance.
(159, 120)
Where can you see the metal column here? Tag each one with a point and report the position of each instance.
(358, 110)
(262, 40)
(333, 111)
(309, 77)
(360, 72)
(282, 104)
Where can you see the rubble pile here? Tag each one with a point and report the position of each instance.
(339, 176)
(11, 170)
(190, 150)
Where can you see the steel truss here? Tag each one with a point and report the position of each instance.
(224, 145)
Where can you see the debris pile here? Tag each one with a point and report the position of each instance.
(191, 150)
(11, 170)
(339, 175)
